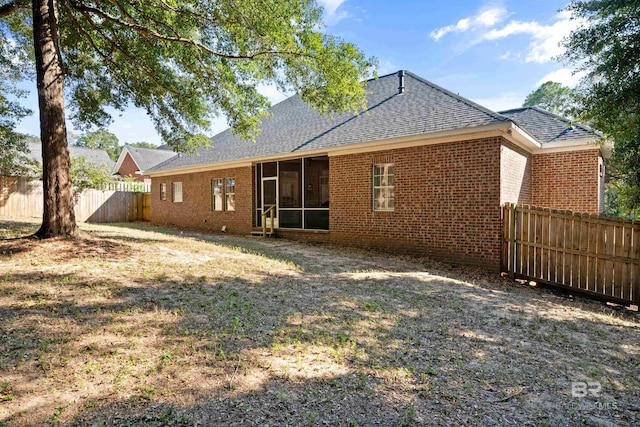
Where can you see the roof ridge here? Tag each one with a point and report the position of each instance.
(467, 101)
(512, 109)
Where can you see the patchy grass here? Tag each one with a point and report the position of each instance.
(135, 325)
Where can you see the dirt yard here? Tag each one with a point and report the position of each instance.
(135, 325)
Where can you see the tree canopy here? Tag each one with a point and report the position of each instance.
(100, 140)
(186, 61)
(13, 159)
(143, 144)
(553, 97)
(607, 48)
(183, 61)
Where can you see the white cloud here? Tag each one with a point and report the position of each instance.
(564, 76)
(491, 17)
(485, 19)
(331, 13)
(545, 39)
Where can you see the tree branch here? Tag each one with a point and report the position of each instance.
(146, 31)
(9, 8)
(118, 47)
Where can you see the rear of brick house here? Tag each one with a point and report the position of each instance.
(422, 172)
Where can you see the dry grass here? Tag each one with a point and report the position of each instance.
(134, 325)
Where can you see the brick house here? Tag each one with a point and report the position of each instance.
(134, 161)
(422, 171)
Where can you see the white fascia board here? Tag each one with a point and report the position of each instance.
(201, 168)
(605, 146)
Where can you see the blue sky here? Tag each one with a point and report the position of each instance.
(492, 52)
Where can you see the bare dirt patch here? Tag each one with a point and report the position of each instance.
(135, 325)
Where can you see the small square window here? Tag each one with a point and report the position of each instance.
(230, 194)
(383, 187)
(217, 194)
(176, 192)
(163, 191)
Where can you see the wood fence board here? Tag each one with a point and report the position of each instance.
(537, 269)
(618, 286)
(553, 253)
(532, 239)
(567, 257)
(592, 260)
(575, 256)
(584, 249)
(524, 252)
(600, 264)
(609, 249)
(544, 259)
(625, 276)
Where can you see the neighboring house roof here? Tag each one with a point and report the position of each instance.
(145, 158)
(92, 155)
(547, 127)
(294, 126)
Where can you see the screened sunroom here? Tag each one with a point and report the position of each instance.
(298, 191)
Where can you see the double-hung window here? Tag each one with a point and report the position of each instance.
(383, 187)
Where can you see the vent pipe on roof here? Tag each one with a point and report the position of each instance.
(401, 81)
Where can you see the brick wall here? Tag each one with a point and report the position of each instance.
(515, 174)
(447, 202)
(568, 180)
(129, 168)
(195, 211)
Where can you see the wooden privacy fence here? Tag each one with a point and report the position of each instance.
(595, 255)
(23, 198)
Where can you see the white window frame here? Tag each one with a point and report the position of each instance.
(386, 185)
(163, 191)
(229, 196)
(217, 184)
(176, 192)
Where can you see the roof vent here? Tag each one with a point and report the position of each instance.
(401, 81)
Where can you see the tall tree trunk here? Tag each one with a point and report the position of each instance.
(58, 218)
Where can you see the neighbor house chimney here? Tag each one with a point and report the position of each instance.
(401, 81)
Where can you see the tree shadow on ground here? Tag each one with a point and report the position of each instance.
(247, 245)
